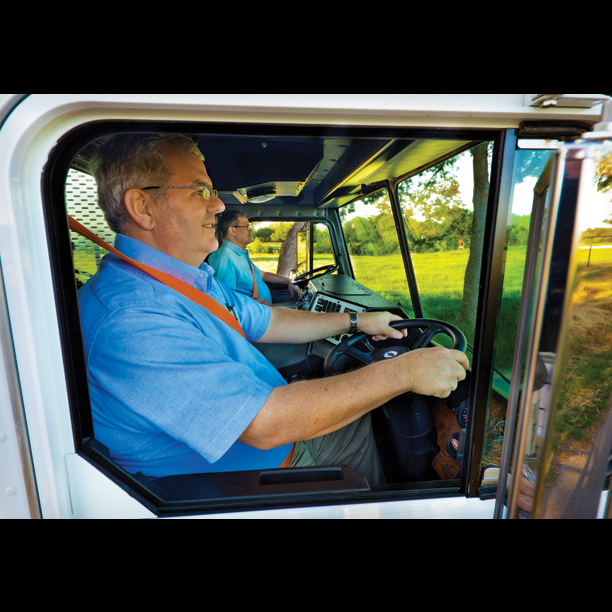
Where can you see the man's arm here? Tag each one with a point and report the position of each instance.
(307, 410)
(276, 279)
(289, 326)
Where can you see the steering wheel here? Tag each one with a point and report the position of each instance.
(368, 354)
(303, 280)
(411, 435)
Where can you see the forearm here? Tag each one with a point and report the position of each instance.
(269, 277)
(276, 279)
(288, 326)
(307, 410)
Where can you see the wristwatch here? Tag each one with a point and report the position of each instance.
(354, 328)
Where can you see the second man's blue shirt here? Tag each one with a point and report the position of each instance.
(232, 267)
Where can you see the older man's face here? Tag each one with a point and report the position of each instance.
(185, 222)
(243, 232)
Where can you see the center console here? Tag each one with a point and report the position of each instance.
(341, 294)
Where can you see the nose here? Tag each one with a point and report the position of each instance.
(216, 205)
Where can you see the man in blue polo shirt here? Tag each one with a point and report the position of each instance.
(174, 389)
(232, 263)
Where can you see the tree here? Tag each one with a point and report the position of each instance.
(518, 230)
(288, 260)
(471, 287)
(280, 231)
(434, 210)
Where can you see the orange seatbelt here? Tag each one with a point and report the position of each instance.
(195, 295)
(288, 460)
(255, 292)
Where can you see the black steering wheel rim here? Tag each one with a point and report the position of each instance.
(313, 274)
(430, 328)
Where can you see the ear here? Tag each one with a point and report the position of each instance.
(138, 205)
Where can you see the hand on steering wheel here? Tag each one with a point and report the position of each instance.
(358, 347)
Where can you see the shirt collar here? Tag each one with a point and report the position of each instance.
(160, 261)
(236, 249)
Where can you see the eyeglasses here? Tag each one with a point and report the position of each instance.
(206, 192)
(249, 227)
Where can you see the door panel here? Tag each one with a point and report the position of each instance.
(563, 438)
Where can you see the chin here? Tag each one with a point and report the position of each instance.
(213, 247)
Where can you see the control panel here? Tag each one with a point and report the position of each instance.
(329, 295)
(313, 301)
(323, 303)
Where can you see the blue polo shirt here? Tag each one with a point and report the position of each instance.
(233, 268)
(172, 387)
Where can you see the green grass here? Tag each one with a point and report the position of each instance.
(440, 277)
(586, 394)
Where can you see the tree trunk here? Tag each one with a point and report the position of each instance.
(288, 260)
(471, 288)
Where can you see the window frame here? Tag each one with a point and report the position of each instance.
(53, 184)
(491, 292)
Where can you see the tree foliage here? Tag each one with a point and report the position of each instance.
(436, 217)
(434, 211)
(264, 234)
(372, 236)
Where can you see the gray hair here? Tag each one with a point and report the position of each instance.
(132, 161)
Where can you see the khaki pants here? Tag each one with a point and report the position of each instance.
(353, 447)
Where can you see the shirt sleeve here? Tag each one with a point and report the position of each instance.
(166, 373)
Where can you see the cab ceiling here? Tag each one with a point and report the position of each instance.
(326, 172)
(323, 172)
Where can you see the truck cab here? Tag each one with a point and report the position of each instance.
(474, 217)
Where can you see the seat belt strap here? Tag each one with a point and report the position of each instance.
(287, 464)
(195, 295)
(255, 292)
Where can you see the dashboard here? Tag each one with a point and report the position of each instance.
(342, 294)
